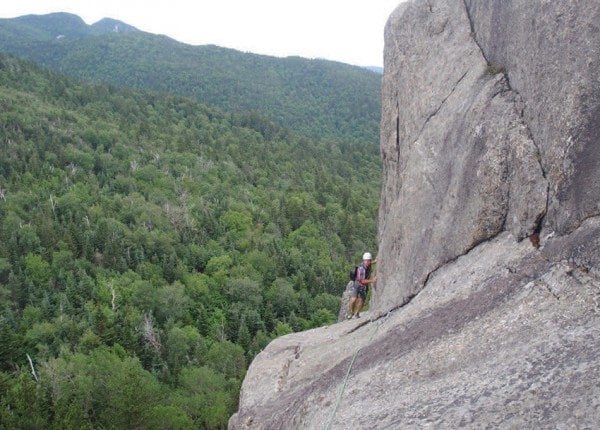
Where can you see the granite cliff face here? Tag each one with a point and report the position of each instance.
(487, 308)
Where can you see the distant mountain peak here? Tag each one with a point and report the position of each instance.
(319, 98)
(61, 17)
(60, 25)
(54, 24)
(106, 25)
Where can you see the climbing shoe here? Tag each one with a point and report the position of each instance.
(357, 315)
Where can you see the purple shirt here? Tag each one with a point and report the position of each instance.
(361, 273)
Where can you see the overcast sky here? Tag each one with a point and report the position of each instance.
(350, 31)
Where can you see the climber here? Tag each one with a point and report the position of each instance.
(361, 286)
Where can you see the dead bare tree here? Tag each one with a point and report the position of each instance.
(113, 295)
(32, 368)
(150, 336)
(53, 205)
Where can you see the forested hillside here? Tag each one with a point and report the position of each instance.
(150, 246)
(317, 98)
(23, 31)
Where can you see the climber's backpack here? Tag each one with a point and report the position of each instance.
(353, 273)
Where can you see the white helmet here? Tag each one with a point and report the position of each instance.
(367, 256)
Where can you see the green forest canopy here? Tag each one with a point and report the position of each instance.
(316, 98)
(150, 246)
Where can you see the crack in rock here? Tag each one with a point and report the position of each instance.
(521, 111)
(441, 105)
(285, 370)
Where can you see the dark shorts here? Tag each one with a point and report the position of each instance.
(359, 291)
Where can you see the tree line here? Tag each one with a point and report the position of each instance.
(316, 98)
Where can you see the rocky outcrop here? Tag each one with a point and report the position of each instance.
(460, 163)
(550, 52)
(345, 301)
(486, 313)
(504, 337)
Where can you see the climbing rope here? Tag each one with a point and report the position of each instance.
(345, 381)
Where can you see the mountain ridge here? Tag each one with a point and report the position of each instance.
(54, 25)
(319, 98)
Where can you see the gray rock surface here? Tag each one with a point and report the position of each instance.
(506, 336)
(489, 136)
(550, 51)
(345, 301)
(460, 164)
